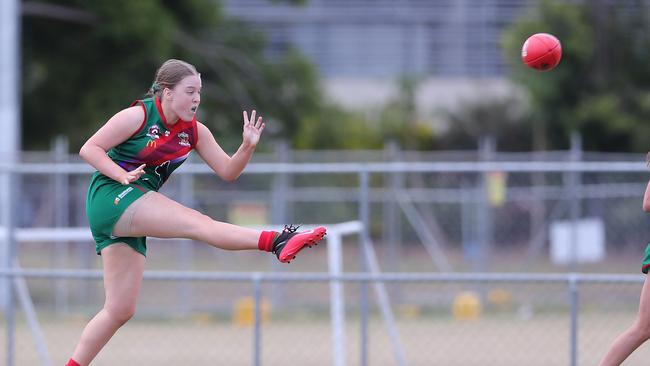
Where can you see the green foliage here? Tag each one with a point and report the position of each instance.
(334, 128)
(296, 97)
(77, 73)
(506, 119)
(602, 83)
(399, 120)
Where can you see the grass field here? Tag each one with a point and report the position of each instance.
(503, 340)
(190, 323)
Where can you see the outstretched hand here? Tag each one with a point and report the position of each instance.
(133, 175)
(252, 129)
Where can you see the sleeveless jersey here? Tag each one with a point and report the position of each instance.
(161, 146)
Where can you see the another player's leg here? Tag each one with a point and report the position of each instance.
(635, 335)
(123, 268)
(159, 216)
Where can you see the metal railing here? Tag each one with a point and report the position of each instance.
(367, 192)
(572, 281)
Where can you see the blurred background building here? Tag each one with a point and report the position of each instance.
(365, 39)
(361, 47)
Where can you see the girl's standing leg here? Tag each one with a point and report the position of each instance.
(635, 335)
(123, 268)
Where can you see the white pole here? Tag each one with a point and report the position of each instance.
(9, 147)
(337, 304)
(9, 76)
(9, 119)
(335, 234)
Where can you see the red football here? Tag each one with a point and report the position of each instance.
(541, 51)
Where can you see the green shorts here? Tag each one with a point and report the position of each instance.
(646, 260)
(105, 204)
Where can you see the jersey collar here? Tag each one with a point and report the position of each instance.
(164, 119)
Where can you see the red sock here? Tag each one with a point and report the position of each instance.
(265, 242)
(72, 363)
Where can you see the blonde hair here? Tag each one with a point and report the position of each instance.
(170, 73)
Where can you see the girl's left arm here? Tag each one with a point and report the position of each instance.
(646, 195)
(646, 198)
(227, 167)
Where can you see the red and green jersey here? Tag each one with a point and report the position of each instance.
(161, 146)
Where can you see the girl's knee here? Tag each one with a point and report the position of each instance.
(120, 313)
(642, 329)
(198, 226)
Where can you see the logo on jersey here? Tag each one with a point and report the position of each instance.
(162, 171)
(121, 195)
(184, 139)
(154, 132)
(151, 143)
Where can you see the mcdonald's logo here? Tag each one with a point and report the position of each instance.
(151, 143)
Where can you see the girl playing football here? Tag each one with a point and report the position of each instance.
(134, 154)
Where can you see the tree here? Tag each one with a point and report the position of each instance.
(506, 119)
(399, 120)
(601, 87)
(84, 60)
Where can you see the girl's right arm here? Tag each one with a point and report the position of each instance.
(117, 130)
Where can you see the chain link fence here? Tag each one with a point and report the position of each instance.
(457, 212)
(442, 320)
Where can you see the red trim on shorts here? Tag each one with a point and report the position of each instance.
(140, 188)
(72, 362)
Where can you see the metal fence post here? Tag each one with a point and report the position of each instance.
(257, 328)
(575, 181)
(9, 233)
(10, 19)
(337, 300)
(61, 212)
(573, 296)
(364, 216)
(10, 243)
(484, 219)
(186, 247)
(280, 187)
(281, 212)
(392, 216)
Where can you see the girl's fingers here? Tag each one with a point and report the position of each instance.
(245, 118)
(134, 175)
(258, 123)
(252, 120)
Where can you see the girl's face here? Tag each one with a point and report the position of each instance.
(185, 97)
